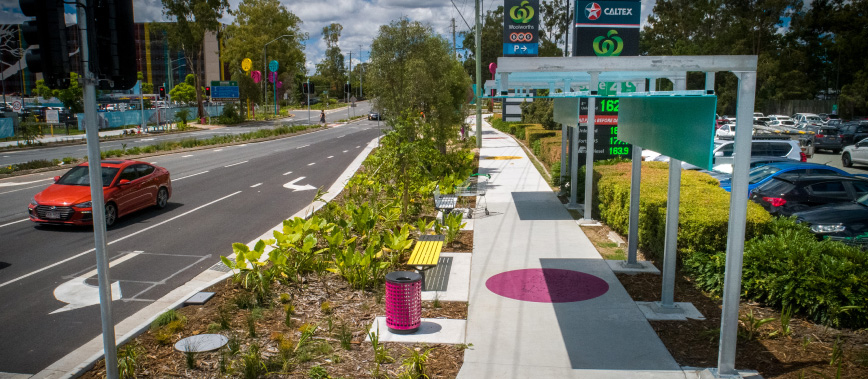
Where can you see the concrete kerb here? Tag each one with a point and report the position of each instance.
(82, 359)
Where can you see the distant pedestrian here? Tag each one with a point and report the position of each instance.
(322, 116)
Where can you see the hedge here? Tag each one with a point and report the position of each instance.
(826, 281)
(534, 134)
(703, 213)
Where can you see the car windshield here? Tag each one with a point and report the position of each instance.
(79, 176)
(758, 174)
(813, 119)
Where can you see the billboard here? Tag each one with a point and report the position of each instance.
(606, 28)
(521, 28)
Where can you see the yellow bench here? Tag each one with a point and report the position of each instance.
(426, 254)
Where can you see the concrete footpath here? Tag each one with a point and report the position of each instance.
(543, 302)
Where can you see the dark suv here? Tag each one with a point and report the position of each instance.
(789, 193)
(853, 131)
(824, 137)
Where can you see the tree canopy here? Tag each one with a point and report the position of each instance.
(332, 67)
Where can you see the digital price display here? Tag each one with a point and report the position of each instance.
(606, 142)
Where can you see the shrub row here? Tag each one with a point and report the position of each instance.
(703, 213)
(826, 281)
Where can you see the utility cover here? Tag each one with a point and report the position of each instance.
(681, 127)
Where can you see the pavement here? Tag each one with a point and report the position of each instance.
(543, 302)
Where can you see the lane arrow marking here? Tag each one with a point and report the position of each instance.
(78, 294)
(295, 188)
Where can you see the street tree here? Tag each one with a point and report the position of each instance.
(192, 20)
(185, 92)
(492, 42)
(556, 17)
(258, 22)
(71, 97)
(332, 67)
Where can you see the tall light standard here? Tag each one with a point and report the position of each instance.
(265, 69)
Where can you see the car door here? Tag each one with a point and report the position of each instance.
(826, 192)
(126, 194)
(149, 185)
(860, 152)
(857, 188)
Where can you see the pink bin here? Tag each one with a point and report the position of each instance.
(403, 301)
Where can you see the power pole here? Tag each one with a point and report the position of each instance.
(361, 74)
(478, 77)
(454, 50)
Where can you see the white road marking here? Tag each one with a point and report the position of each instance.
(241, 145)
(216, 150)
(187, 156)
(311, 164)
(78, 294)
(358, 147)
(256, 185)
(153, 162)
(146, 139)
(291, 185)
(287, 173)
(301, 147)
(21, 189)
(14, 222)
(236, 164)
(115, 241)
(188, 176)
(10, 184)
(330, 156)
(342, 136)
(346, 151)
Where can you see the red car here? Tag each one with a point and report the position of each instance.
(128, 186)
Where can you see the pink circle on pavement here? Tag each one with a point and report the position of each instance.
(547, 285)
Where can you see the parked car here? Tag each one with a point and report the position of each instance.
(761, 121)
(807, 119)
(128, 186)
(765, 173)
(789, 193)
(374, 116)
(857, 153)
(787, 148)
(840, 221)
(758, 114)
(725, 169)
(836, 122)
(726, 131)
(783, 125)
(853, 131)
(824, 137)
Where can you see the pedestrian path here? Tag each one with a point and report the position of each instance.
(543, 302)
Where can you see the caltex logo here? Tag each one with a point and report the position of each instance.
(592, 11)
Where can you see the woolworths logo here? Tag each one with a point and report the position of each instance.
(608, 46)
(521, 14)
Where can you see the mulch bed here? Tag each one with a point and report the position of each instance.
(805, 352)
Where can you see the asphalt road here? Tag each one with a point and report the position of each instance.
(834, 160)
(220, 196)
(16, 156)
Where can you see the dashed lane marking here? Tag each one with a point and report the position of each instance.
(311, 164)
(188, 176)
(236, 164)
(256, 185)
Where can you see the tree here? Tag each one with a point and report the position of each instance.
(332, 67)
(146, 87)
(258, 22)
(193, 18)
(556, 18)
(185, 92)
(71, 97)
(492, 42)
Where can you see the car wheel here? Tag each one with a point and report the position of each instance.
(111, 214)
(162, 198)
(846, 161)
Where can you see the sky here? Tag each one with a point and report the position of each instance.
(361, 19)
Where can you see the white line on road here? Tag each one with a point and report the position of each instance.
(287, 173)
(358, 147)
(301, 147)
(330, 156)
(14, 222)
(21, 189)
(10, 184)
(236, 164)
(346, 151)
(187, 156)
(342, 136)
(216, 150)
(188, 176)
(117, 240)
(311, 164)
(256, 185)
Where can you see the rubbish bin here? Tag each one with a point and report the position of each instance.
(403, 301)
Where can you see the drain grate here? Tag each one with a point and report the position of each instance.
(437, 278)
(221, 267)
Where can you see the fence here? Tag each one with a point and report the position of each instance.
(119, 119)
(789, 107)
(7, 128)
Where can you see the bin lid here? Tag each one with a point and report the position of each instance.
(403, 277)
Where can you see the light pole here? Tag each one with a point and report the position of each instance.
(265, 70)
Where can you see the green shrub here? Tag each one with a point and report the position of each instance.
(826, 281)
(703, 213)
(556, 173)
(536, 133)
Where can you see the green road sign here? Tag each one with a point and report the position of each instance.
(224, 83)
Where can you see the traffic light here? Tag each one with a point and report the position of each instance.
(162, 92)
(312, 88)
(348, 88)
(48, 31)
(115, 44)
(304, 88)
(208, 91)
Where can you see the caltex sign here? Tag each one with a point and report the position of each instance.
(607, 28)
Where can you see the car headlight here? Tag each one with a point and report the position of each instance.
(33, 202)
(827, 228)
(86, 204)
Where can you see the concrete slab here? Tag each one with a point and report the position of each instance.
(9, 375)
(681, 312)
(199, 298)
(642, 267)
(432, 330)
(472, 370)
(458, 288)
(614, 237)
(711, 373)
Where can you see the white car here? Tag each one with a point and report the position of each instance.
(807, 119)
(758, 114)
(857, 153)
(726, 131)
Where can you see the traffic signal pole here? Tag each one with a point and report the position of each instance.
(97, 200)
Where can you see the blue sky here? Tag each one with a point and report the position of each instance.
(361, 19)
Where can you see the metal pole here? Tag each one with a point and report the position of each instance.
(635, 188)
(308, 101)
(142, 104)
(737, 221)
(96, 195)
(670, 247)
(263, 77)
(589, 155)
(478, 77)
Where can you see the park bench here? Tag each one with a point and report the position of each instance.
(444, 203)
(426, 253)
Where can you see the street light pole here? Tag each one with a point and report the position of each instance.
(265, 70)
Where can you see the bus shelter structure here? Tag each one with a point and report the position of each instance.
(571, 79)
